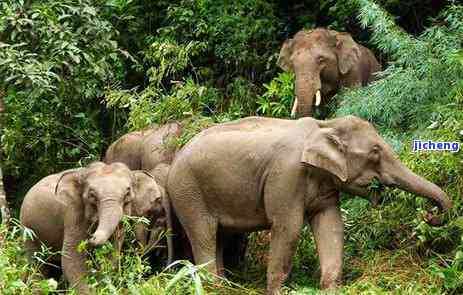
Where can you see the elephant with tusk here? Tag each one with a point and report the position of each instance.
(61, 209)
(262, 173)
(324, 61)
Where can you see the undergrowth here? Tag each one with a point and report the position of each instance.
(202, 67)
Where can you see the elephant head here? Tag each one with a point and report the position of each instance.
(151, 201)
(99, 193)
(351, 151)
(319, 58)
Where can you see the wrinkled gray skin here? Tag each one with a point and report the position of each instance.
(325, 60)
(153, 150)
(262, 173)
(153, 203)
(144, 150)
(61, 209)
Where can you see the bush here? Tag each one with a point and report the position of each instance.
(418, 96)
(56, 59)
(76, 72)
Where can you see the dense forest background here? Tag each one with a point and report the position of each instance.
(76, 74)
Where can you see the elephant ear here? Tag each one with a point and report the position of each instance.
(284, 60)
(147, 195)
(348, 52)
(326, 151)
(69, 185)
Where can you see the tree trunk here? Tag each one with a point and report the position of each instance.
(3, 205)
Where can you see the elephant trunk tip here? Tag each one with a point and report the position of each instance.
(444, 204)
(99, 238)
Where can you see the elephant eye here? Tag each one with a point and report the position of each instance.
(127, 196)
(92, 196)
(375, 154)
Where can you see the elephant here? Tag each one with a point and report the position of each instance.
(62, 208)
(153, 149)
(145, 149)
(262, 173)
(323, 62)
(153, 203)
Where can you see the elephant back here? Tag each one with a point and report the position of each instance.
(159, 146)
(42, 211)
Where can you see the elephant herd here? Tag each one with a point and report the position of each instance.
(233, 178)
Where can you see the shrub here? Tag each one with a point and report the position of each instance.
(56, 58)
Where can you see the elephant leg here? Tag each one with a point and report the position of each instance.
(202, 235)
(328, 230)
(73, 262)
(44, 270)
(201, 230)
(200, 226)
(285, 234)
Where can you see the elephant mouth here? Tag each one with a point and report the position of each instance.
(371, 191)
(375, 189)
(376, 197)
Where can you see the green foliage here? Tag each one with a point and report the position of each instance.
(56, 58)
(191, 127)
(421, 87)
(17, 275)
(205, 60)
(421, 74)
(278, 97)
(64, 64)
(110, 271)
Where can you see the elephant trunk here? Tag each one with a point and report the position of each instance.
(308, 86)
(405, 179)
(109, 215)
(141, 234)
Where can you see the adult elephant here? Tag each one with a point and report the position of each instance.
(263, 173)
(61, 209)
(147, 148)
(324, 61)
(153, 149)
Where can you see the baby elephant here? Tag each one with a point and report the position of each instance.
(61, 208)
(153, 203)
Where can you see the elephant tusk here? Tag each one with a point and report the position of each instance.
(318, 98)
(293, 110)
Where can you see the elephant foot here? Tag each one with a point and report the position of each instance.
(330, 281)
